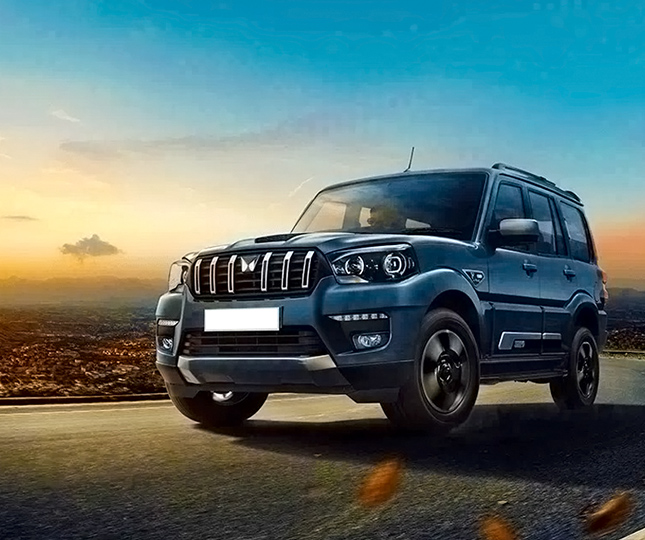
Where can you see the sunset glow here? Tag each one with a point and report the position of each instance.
(163, 127)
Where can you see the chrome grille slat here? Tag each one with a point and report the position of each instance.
(258, 274)
(285, 271)
(264, 279)
(231, 274)
(213, 275)
(306, 269)
(198, 264)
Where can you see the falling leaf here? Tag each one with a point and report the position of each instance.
(382, 483)
(495, 528)
(610, 515)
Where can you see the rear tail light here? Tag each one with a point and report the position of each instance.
(604, 295)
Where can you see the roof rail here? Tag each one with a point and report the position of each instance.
(502, 166)
(540, 179)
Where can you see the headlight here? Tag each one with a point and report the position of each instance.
(177, 274)
(374, 264)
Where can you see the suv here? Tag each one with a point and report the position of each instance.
(409, 290)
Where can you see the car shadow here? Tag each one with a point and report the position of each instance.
(601, 447)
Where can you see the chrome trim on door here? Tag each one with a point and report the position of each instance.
(507, 339)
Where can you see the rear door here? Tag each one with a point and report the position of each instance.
(556, 282)
(584, 272)
(514, 282)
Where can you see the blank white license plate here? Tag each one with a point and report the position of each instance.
(243, 319)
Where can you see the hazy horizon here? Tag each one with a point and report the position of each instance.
(133, 133)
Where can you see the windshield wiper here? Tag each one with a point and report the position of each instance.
(430, 231)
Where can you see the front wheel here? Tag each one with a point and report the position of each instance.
(578, 389)
(443, 389)
(214, 409)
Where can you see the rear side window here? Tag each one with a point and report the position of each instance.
(559, 236)
(576, 229)
(508, 205)
(543, 215)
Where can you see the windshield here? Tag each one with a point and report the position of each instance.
(442, 204)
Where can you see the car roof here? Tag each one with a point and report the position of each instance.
(498, 168)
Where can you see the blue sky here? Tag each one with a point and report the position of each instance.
(129, 103)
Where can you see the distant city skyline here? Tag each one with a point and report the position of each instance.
(134, 132)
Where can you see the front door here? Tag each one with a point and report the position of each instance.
(514, 284)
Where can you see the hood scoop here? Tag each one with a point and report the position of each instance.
(276, 238)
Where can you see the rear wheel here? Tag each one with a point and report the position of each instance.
(444, 386)
(578, 389)
(215, 409)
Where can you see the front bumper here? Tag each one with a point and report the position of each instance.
(368, 375)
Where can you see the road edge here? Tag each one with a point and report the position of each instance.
(50, 400)
(637, 535)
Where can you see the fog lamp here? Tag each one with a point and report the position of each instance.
(167, 343)
(369, 341)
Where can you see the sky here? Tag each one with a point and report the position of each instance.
(134, 131)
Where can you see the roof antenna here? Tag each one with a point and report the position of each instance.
(410, 163)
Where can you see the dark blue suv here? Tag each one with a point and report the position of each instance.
(408, 290)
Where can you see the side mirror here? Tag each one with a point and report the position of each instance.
(513, 232)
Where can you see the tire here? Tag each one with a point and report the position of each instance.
(578, 389)
(443, 388)
(219, 410)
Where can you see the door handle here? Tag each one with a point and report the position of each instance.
(570, 273)
(529, 268)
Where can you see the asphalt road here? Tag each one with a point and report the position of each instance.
(141, 470)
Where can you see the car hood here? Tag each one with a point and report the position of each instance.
(326, 242)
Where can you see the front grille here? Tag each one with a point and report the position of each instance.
(290, 341)
(267, 273)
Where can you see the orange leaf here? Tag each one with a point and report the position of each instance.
(495, 528)
(610, 515)
(382, 483)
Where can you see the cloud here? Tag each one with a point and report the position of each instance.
(20, 218)
(5, 156)
(299, 187)
(90, 247)
(298, 132)
(62, 115)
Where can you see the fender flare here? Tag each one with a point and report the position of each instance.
(447, 280)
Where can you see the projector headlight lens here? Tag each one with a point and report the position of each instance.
(374, 264)
(395, 264)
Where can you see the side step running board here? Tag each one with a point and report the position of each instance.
(543, 375)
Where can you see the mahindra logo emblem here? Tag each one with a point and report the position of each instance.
(248, 265)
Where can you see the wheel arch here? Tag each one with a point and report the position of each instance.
(584, 313)
(588, 317)
(459, 296)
